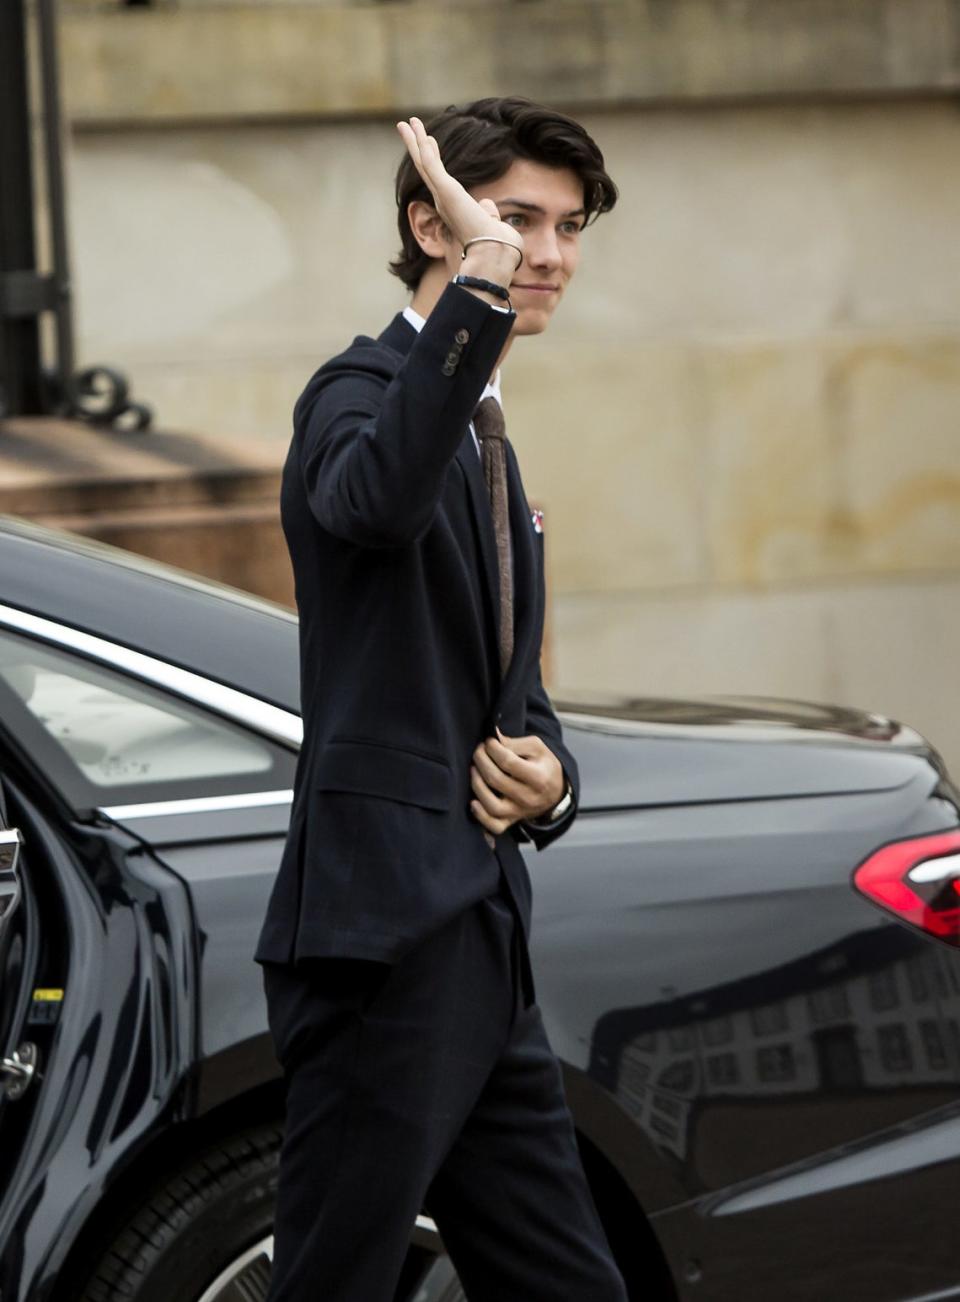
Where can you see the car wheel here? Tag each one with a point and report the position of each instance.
(206, 1236)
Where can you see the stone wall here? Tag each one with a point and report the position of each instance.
(217, 59)
(743, 424)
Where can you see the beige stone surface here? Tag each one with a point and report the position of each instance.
(769, 222)
(609, 440)
(839, 457)
(775, 221)
(247, 402)
(222, 61)
(900, 458)
(268, 60)
(770, 460)
(243, 246)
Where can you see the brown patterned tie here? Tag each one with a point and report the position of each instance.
(491, 431)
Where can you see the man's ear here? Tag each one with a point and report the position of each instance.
(428, 228)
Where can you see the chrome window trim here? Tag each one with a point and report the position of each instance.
(269, 720)
(197, 805)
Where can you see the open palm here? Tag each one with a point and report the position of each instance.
(465, 217)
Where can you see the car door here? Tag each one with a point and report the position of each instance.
(17, 955)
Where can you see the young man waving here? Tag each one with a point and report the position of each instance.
(395, 945)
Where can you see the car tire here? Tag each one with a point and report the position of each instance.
(206, 1235)
(203, 1236)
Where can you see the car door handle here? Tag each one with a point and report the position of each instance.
(10, 842)
(19, 1070)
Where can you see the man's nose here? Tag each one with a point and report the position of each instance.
(543, 250)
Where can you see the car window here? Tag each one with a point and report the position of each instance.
(126, 739)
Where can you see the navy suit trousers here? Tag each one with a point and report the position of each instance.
(429, 1083)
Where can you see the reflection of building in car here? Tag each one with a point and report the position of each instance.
(858, 1030)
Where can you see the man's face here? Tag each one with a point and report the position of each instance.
(545, 204)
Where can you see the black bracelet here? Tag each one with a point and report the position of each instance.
(475, 282)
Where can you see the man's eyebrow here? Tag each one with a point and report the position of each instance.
(535, 207)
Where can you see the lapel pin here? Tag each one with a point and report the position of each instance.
(537, 518)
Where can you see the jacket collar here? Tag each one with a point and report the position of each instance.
(399, 335)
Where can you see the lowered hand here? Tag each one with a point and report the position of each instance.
(514, 779)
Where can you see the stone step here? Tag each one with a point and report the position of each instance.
(197, 503)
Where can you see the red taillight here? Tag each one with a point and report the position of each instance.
(919, 881)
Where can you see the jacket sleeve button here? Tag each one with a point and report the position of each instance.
(462, 337)
(448, 368)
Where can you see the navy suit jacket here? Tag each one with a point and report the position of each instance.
(387, 518)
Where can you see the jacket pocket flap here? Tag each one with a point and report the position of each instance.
(369, 769)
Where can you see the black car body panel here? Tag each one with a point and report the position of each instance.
(766, 1062)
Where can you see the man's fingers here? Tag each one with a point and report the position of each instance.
(491, 801)
(409, 138)
(528, 748)
(495, 804)
(431, 166)
(505, 759)
(423, 150)
(487, 821)
(501, 776)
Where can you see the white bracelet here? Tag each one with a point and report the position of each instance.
(492, 239)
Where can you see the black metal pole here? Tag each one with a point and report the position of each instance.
(56, 193)
(98, 394)
(21, 381)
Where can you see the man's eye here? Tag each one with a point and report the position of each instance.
(570, 228)
(515, 219)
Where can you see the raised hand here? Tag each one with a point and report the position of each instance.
(464, 216)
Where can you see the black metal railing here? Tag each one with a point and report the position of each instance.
(31, 384)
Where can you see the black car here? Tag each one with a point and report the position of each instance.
(745, 949)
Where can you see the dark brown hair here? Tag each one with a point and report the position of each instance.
(479, 142)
